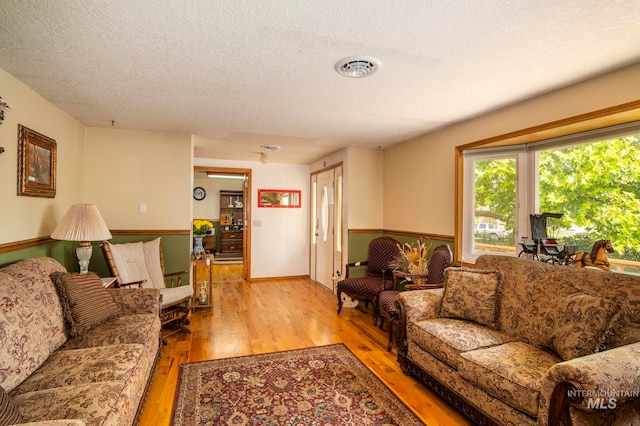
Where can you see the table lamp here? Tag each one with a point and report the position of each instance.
(82, 223)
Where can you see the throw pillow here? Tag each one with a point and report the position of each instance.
(85, 302)
(575, 325)
(9, 415)
(471, 294)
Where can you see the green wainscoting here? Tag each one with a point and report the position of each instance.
(359, 243)
(53, 249)
(176, 248)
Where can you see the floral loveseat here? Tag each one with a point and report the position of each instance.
(71, 351)
(520, 342)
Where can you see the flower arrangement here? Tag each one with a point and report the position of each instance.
(412, 258)
(3, 106)
(201, 227)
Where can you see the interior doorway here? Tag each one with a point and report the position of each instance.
(326, 226)
(229, 207)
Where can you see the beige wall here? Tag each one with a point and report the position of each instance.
(128, 167)
(420, 174)
(364, 178)
(209, 208)
(23, 218)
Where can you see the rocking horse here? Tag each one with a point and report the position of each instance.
(597, 258)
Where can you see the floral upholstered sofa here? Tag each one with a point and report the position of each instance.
(71, 351)
(519, 342)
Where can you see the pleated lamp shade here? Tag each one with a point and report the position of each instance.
(82, 223)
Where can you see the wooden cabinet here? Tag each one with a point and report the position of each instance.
(232, 243)
(231, 223)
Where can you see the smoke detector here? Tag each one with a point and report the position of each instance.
(357, 66)
(270, 148)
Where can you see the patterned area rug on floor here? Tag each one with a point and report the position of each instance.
(325, 385)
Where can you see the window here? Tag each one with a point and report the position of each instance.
(591, 180)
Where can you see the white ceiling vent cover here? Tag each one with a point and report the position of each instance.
(357, 66)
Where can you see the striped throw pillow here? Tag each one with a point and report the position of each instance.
(9, 415)
(85, 302)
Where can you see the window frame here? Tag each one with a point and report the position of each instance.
(607, 117)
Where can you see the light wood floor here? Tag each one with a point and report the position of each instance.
(277, 315)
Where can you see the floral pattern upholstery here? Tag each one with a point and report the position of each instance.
(560, 323)
(447, 338)
(31, 273)
(501, 412)
(471, 294)
(512, 372)
(98, 378)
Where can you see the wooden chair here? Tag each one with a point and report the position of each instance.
(377, 277)
(142, 264)
(439, 261)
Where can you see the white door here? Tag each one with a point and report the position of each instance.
(326, 232)
(324, 228)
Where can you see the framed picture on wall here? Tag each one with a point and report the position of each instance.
(36, 164)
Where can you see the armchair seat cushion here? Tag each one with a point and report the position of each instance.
(387, 302)
(512, 372)
(448, 338)
(368, 287)
(175, 294)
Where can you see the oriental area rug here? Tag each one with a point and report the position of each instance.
(325, 385)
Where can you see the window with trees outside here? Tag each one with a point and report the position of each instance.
(589, 181)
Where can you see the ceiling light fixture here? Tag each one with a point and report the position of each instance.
(270, 148)
(357, 66)
(221, 176)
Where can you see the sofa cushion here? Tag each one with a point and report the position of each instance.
(575, 324)
(104, 403)
(85, 301)
(34, 276)
(9, 415)
(90, 365)
(143, 329)
(446, 338)
(511, 372)
(471, 294)
(101, 385)
(23, 341)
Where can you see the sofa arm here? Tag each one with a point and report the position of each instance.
(137, 300)
(414, 306)
(598, 382)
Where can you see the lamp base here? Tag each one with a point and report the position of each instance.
(84, 251)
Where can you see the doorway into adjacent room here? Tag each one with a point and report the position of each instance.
(227, 205)
(326, 226)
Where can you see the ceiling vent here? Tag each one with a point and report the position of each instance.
(357, 66)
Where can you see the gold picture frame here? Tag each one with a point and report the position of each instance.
(36, 164)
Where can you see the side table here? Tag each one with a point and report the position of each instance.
(201, 273)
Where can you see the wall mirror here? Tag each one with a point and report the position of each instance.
(279, 198)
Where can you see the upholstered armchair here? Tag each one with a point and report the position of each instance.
(381, 252)
(142, 263)
(439, 261)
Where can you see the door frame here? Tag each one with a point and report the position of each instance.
(246, 229)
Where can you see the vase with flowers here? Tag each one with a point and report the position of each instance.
(200, 229)
(411, 262)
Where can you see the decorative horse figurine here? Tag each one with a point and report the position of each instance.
(598, 256)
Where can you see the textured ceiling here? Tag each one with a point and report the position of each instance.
(241, 74)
